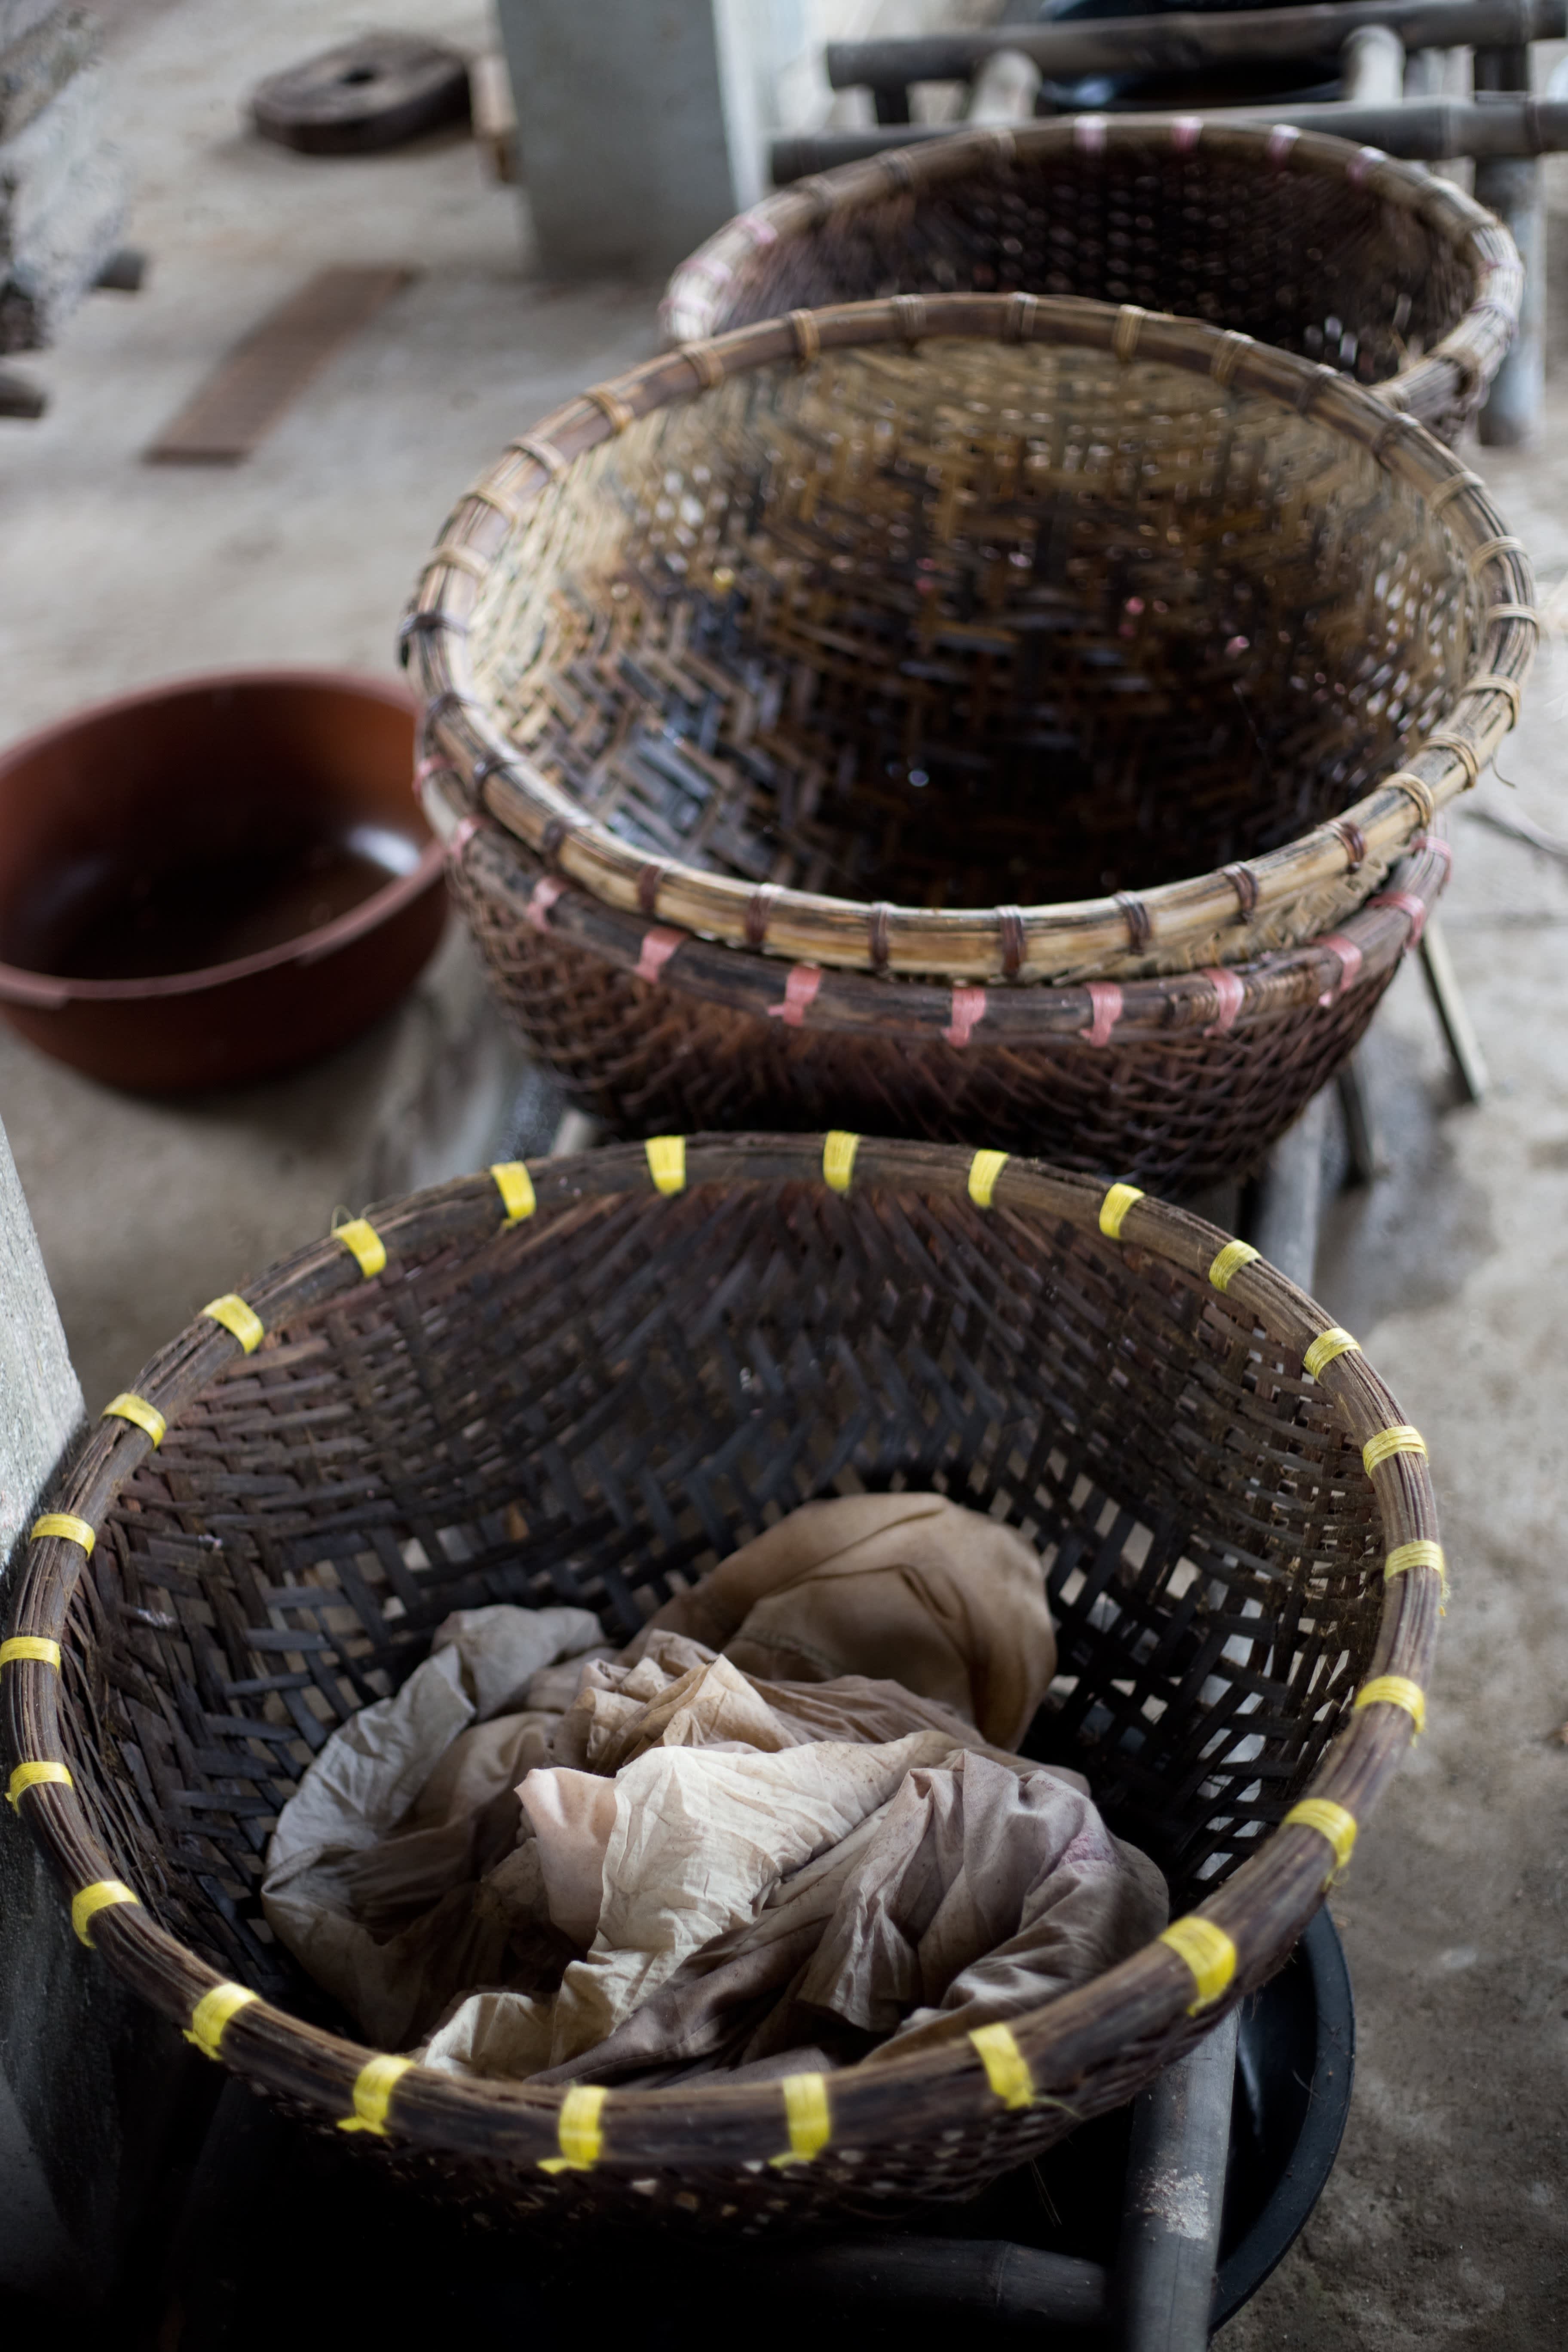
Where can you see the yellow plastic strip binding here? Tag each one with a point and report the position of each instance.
(1006, 2068)
(983, 1170)
(1229, 1263)
(22, 1646)
(243, 1322)
(666, 1161)
(810, 2120)
(364, 1244)
(515, 1186)
(133, 1408)
(1207, 1951)
(1400, 1439)
(577, 2131)
(374, 2086)
(212, 2013)
(1326, 1346)
(66, 1525)
(1330, 1820)
(1393, 1690)
(98, 1897)
(1114, 1207)
(1423, 1553)
(839, 1152)
(35, 1776)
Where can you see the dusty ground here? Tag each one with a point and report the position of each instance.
(1446, 2222)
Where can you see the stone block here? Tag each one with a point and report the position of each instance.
(37, 68)
(62, 207)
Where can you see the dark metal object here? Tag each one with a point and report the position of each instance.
(1175, 2198)
(1425, 131)
(1181, 42)
(363, 96)
(174, 793)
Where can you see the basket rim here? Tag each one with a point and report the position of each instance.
(458, 731)
(1209, 1000)
(1465, 359)
(1259, 1911)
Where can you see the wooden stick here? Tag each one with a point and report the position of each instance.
(1469, 1062)
(1367, 1156)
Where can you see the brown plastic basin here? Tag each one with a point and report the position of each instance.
(214, 879)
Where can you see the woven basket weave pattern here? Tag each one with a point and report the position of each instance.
(1180, 1091)
(974, 624)
(1375, 269)
(964, 598)
(648, 1379)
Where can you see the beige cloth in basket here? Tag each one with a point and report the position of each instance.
(691, 1864)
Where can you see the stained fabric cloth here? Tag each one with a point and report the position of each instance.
(543, 1861)
(906, 1587)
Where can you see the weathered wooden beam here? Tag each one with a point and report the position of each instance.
(1175, 2198)
(1425, 131)
(1170, 44)
(1372, 66)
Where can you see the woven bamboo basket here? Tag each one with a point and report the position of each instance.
(649, 1354)
(937, 601)
(1181, 1082)
(1305, 242)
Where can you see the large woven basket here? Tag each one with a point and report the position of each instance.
(814, 638)
(1180, 1082)
(1304, 241)
(640, 1358)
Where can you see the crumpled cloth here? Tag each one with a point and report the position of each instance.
(541, 1860)
(371, 1867)
(908, 1586)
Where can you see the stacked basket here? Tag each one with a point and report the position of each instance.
(964, 714)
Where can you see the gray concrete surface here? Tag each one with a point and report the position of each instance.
(1446, 2222)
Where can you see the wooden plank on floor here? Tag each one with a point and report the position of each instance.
(247, 394)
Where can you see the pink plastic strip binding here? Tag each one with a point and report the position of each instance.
(1185, 133)
(1408, 904)
(968, 1012)
(1232, 995)
(1088, 134)
(658, 947)
(1281, 139)
(462, 833)
(1350, 957)
(800, 989)
(545, 892)
(1105, 998)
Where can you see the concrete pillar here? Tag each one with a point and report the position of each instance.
(639, 126)
(88, 2077)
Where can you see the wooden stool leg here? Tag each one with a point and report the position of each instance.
(1463, 1046)
(1368, 1159)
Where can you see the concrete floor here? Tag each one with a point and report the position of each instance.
(1446, 2221)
